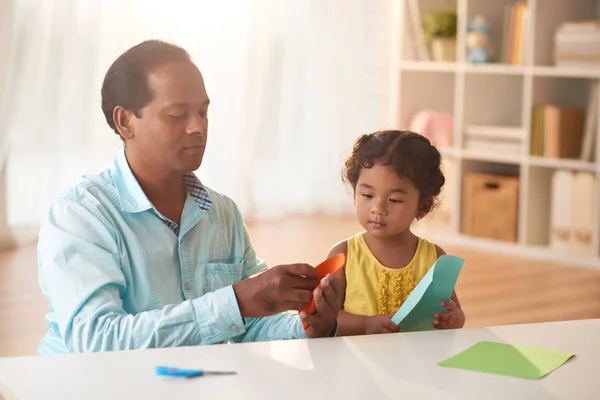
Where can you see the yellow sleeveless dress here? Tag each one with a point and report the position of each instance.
(372, 288)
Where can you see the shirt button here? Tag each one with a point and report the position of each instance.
(76, 319)
(234, 328)
(188, 286)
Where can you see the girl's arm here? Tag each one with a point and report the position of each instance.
(348, 324)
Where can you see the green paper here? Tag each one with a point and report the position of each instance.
(417, 313)
(505, 359)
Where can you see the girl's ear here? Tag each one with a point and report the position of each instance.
(425, 208)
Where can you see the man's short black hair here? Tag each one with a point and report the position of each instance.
(126, 84)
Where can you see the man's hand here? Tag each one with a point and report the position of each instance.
(380, 324)
(453, 318)
(277, 289)
(327, 307)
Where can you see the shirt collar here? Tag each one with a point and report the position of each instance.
(132, 197)
(195, 189)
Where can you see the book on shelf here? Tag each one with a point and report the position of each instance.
(516, 17)
(577, 44)
(590, 127)
(572, 213)
(556, 131)
(494, 139)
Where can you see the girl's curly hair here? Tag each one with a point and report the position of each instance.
(412, 156)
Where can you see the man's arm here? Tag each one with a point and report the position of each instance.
(81, 276)
(280, 326)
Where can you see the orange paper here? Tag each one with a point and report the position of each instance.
(329, 266)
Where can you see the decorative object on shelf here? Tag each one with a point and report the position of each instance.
(439, 28)
(435, 126)
(479, 49)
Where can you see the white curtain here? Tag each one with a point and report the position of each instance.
(292, 84)
(7, 238)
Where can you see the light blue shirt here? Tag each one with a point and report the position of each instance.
(117, 275)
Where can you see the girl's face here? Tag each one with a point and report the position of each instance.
(385, 204)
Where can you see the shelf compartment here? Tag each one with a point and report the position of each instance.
(490, 203)
(538, 206)
(493, 100)
(562, 91)
(561, 211)
(410, 44)
(426, 91)
(496, 13)
(549, 15)
(558, 118)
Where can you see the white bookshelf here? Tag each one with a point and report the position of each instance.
(498, 95)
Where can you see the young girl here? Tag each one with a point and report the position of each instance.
(395, 177)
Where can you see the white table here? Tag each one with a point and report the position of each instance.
(366, 367)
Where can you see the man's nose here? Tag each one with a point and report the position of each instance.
(197, 125)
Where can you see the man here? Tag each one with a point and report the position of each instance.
(144, 255)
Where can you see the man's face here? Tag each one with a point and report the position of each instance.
(172, 129)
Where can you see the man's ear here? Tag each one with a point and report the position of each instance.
(425, 208)
(122, 119)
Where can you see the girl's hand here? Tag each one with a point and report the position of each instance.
(453, 318)
(380, 324)
(327, 307)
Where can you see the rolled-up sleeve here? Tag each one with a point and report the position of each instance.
(81, 276)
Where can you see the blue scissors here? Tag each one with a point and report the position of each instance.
(188, 373)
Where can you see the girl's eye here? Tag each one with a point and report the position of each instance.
(395, 201)
(367, 196)
(179, 116)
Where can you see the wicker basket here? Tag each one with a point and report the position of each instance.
(490, 206)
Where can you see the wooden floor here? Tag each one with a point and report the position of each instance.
(494, 289)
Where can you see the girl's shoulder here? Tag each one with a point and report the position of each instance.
(427, 254)
(342, 247)
(428, 248)
(339, 248)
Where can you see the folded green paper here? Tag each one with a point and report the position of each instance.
(505, 359)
